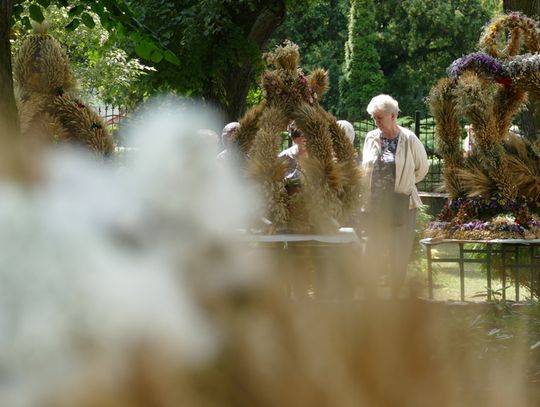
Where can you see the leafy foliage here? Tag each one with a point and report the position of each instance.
(362, 77)
(320, 30)
(418, 39)
(117, 17)
(212, 38)
(493, 7)
(102, 68)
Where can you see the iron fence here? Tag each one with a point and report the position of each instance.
(112, 115)
(423, 127)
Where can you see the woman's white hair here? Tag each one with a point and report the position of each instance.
(347, 128)
(383, 103)
(514, 129)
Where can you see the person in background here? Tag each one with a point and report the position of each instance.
(514, 130)
(226, 135)
(350, 133)
(394, 161)
(348, 128)
(468, 141)
(293, 155)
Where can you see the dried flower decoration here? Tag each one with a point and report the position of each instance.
(517, 25)
(522, 65)
(287, 84)
(481, 63)
(285, 56)
(329, 190)
(47, 105)
(494, 191)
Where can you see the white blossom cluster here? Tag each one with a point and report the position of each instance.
(101, 255)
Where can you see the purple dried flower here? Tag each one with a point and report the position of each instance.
(480, 62)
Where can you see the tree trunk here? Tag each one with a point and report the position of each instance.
(239, 77)
(530, 118)
(8, 109)
(528, 7)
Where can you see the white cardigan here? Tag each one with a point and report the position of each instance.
(411, 164)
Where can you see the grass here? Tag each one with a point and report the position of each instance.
(446, 281)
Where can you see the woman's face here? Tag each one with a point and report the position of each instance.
(384, 121)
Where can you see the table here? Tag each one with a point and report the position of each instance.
(508, 249)
(343, 236)
(332, 257)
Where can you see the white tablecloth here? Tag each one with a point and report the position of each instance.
(345, 235)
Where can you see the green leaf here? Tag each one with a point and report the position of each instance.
(44, 3)
(94, 55)
(113, 9)
(156, 56)
(73, 24)
(35, 13)
(17, 10)
(64, 3)
(120, 30)
(143, 50)
(88, 20)
(74, 11)
(106, 22)
(135, 36)
(97, 8)
(26, 22)
(171, 57)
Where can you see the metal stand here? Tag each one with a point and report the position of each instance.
(484, 252)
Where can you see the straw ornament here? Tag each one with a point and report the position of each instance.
(48, 109)
(495, 191)
(330, 189)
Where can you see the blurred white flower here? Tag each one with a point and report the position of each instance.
(101, 256)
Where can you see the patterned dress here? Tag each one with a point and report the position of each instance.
(384, 174)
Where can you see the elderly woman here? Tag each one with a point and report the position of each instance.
(226, 135)
(394, 160)
(348, 129)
